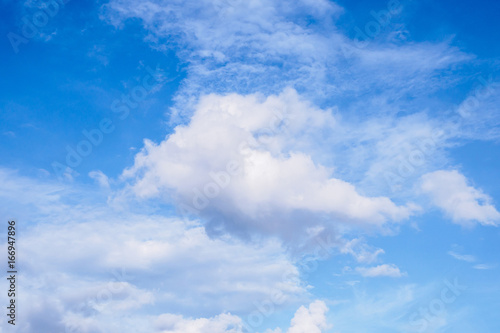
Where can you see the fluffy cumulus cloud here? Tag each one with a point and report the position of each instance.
(310, 319)
(243, 161)
(224, 323)
(376, 139)
(383, 134)
(90, 268)
(388, 131)
(451, 192)
(212, 273)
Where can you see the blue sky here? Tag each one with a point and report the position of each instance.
(258, 166)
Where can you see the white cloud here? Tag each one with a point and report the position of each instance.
(100, 178)
(188, 268)
(479, 110)
(291, 178)
(224, 323)
(484, 266)
(389, 270)
(379, 93)
(396, 308)
(362, 252)
(263, 139)
(89, 266)
(122, 265)
(450, 191)
(463, 257)
(274, 44)
(310, 320)
(44, 197)
(305, 320)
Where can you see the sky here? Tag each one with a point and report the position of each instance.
(232, 166)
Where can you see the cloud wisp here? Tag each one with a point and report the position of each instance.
(450, 191)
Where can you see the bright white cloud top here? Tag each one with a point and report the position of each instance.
(243, 161)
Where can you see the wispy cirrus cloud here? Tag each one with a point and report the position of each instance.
(463, 257)
(484, 266)
(388, 270)
(272, 45)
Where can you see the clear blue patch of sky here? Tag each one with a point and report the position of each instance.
(53, 90)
